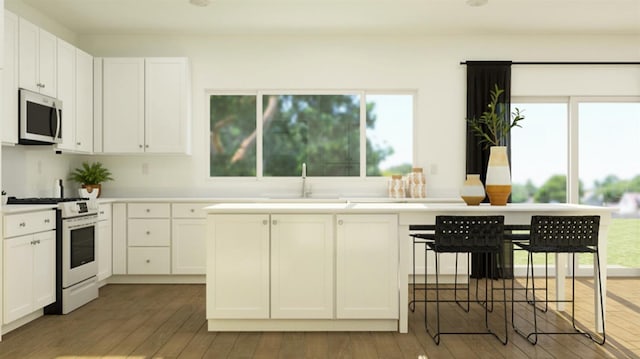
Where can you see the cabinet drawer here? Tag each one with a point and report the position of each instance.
(148, 210)
(27, 223)
(149, 232)
(149, 260)
(188, 210)
(104, 212)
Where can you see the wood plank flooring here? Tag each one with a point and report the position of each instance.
(168, 321)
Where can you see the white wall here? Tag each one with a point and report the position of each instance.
(428, 65)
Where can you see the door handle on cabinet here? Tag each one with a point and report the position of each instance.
(274, 222)
(265, 222)
(148, 260)
(148, 233)
(47, 220)
(22, 224)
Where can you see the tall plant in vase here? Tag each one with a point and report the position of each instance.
(492, 128)
(91, 176)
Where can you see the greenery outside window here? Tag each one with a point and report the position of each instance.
(354, 134)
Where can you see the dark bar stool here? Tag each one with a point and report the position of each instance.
(561, 234)
(466, 234)
(420, 236)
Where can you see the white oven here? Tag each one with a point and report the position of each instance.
(79, 249)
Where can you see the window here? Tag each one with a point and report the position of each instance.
(600, 163)
(539, 153)
(610, 171)
(353, 134)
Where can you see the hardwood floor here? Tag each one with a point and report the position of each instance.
(168, 321)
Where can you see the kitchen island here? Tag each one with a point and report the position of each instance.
(340, 265)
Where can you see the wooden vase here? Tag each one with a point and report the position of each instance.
(498, 176)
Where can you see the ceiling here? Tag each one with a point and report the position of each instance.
(86, 17)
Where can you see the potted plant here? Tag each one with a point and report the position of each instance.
(492, 127)
(91, 176)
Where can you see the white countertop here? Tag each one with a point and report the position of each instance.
(23, 208)
(381, 207)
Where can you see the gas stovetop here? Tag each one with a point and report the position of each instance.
(43, 200)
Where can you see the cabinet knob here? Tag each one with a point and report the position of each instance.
(265, 222)
(148, 233)
(340, 222)
(148, 210)
(43, 86)
(192, 210)
(101, 212)
(22, 224)
(148, 261)
(32, 243)
(140, 146)
(47, 220)
(78, 143)
(38, 241)
(274, 222)
(146, 146)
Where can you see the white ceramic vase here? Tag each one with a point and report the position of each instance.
(472, 191)
(498, 176)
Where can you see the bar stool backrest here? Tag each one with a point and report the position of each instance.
(564, 231)
(469, 231)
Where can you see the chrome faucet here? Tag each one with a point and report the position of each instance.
(304, 180)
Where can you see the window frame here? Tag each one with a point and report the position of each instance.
(573, 170)
(259, 94)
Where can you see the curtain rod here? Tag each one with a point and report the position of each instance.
(566, 63)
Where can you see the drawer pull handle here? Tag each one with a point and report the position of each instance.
(265, 222)
(148, 233)
(38, 241)
(193, 210)
(148, 210)
(22, 224)
(274, 222)
(78, 143)
(47, 220)
(101, 212)
(148, 260)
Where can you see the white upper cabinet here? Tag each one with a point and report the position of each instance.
(9, 99)
(166, 105)
(123, 105)
(67, 92)
(75, 89)
(37, 54)
(145, 105)
(84, 101)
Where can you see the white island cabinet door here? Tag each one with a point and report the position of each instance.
(367, 266)
(238, 266)
(302, 266)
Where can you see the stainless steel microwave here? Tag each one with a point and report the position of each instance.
(40, 120)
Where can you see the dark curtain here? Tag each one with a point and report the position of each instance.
(482, 76)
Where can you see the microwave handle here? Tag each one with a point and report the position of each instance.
(58, 124)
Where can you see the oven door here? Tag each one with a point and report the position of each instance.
(78, 249)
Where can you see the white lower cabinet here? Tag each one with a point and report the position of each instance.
(148, 238)
(367, 266)
(104, 242)
(148, 260)
(238, 271)
(188, 243)
(302, 266)
(315, 260)
(29, 274)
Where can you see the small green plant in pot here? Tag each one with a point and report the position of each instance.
(91, 176)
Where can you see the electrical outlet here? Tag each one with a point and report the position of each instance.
(145, 168)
